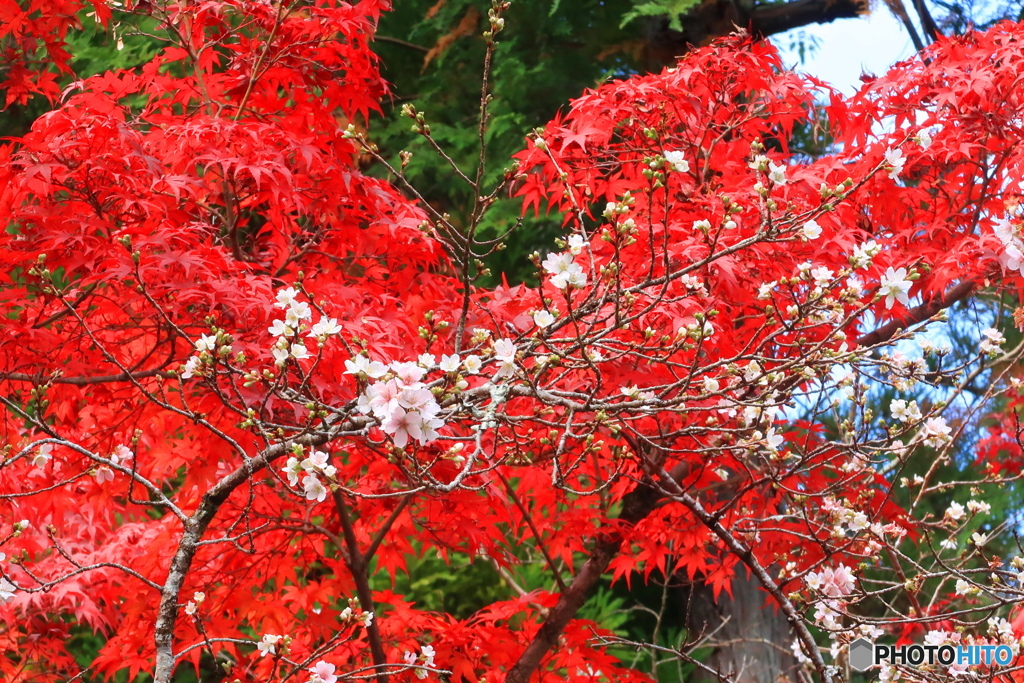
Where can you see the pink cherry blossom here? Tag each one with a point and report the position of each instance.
(323, 672)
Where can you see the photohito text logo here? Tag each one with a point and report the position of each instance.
(864, 654)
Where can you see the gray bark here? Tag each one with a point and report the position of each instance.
(751, 636)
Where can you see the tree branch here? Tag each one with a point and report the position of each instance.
(636, 505)
(357, 566)
(919, 314)
(83, 381)
(778, 18)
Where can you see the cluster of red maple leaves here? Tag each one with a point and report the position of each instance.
(238, 375)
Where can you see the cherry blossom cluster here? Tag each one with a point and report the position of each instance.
(310, 468)
(206, 347)
(120, 456)
(425, 659)
(776, 172)
(904, 372)
(192, 606)
(402, 402)
(7, 588)
(894, 160)
(354, 615)
(957, 512)
(323, 671)
(564, 271)
(864, 254)
(992, 340)
(1000, 632)
(677, 160)
(288, 330)
(1012, 257)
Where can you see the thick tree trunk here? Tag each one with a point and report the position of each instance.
(749, 636)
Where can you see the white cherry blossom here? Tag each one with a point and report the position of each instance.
(1012, 257)
(863, 254)
(286, 297)
(677, 160)
(993, 338)
(924, 138)
(773, 440)
(543, 318)
(904, 411)
(427, 652)
(317, 460)
(42, 455)
(188, 370)
(206, 343)
(325, 327)
(811, 230)
(822, 276)
(556, 263)
(408, 373)
(895, 286)
(294, 470)
(979, 507)
(450, 363)
(267, 644)
(472, 364)
(895, 160)
(361, 365)
(954, 512)
(313, 489)
(936, 432)
(280, 328)
(298, 312)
